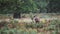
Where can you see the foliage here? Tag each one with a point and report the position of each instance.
(23, 6)
(11, 27)
(27, 6)
(53, 6)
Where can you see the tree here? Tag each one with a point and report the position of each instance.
(27, 6)
(7, 6)
(11, 6)
(42, 4)
(54, 6)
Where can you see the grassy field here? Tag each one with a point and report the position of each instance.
(44, 27)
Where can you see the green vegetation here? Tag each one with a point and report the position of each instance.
(23, 6)
(14, 27)
(27, 6)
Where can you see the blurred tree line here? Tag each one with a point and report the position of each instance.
(53, 6)
(27, 6)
